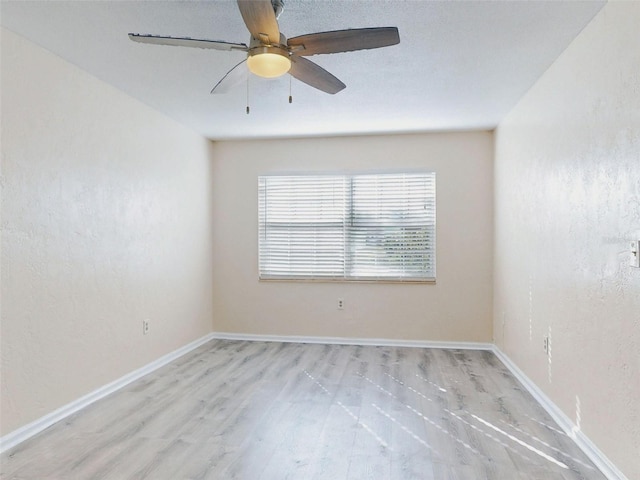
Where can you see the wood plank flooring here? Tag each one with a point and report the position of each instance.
(253, 410)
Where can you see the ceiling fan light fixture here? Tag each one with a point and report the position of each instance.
(268, 61)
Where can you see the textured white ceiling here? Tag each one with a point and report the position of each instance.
(459, 65)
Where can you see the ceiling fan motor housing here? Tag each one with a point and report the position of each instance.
(265, 41)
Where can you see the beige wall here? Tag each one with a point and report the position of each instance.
(457, 308)
(105, 222)
(567, 205)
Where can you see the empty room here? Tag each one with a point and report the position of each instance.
(333, 239)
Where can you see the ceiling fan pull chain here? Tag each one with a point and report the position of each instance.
(248, 110)
(290, 97)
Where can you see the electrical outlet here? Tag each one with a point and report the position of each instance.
(546, 344)
(340, 304)
(145, 327)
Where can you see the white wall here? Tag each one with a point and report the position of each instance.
(567, 205)
(457, 308)
(105, 222)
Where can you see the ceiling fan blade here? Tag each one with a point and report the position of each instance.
(314, 75)
(260, 19)
(187, 42)
(236, 75)
(344, 40)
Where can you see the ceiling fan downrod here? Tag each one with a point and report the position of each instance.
(278, 7)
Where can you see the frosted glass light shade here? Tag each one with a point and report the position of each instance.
(269, 65)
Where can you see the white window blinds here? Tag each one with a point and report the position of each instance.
(347, 227)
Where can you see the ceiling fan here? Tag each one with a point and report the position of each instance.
(270, 54)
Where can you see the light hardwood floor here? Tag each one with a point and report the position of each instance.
(252, 410)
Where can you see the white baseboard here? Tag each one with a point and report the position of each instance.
(378, 342)
(27, 431)
(566, 424)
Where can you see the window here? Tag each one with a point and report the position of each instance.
(347, 227)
